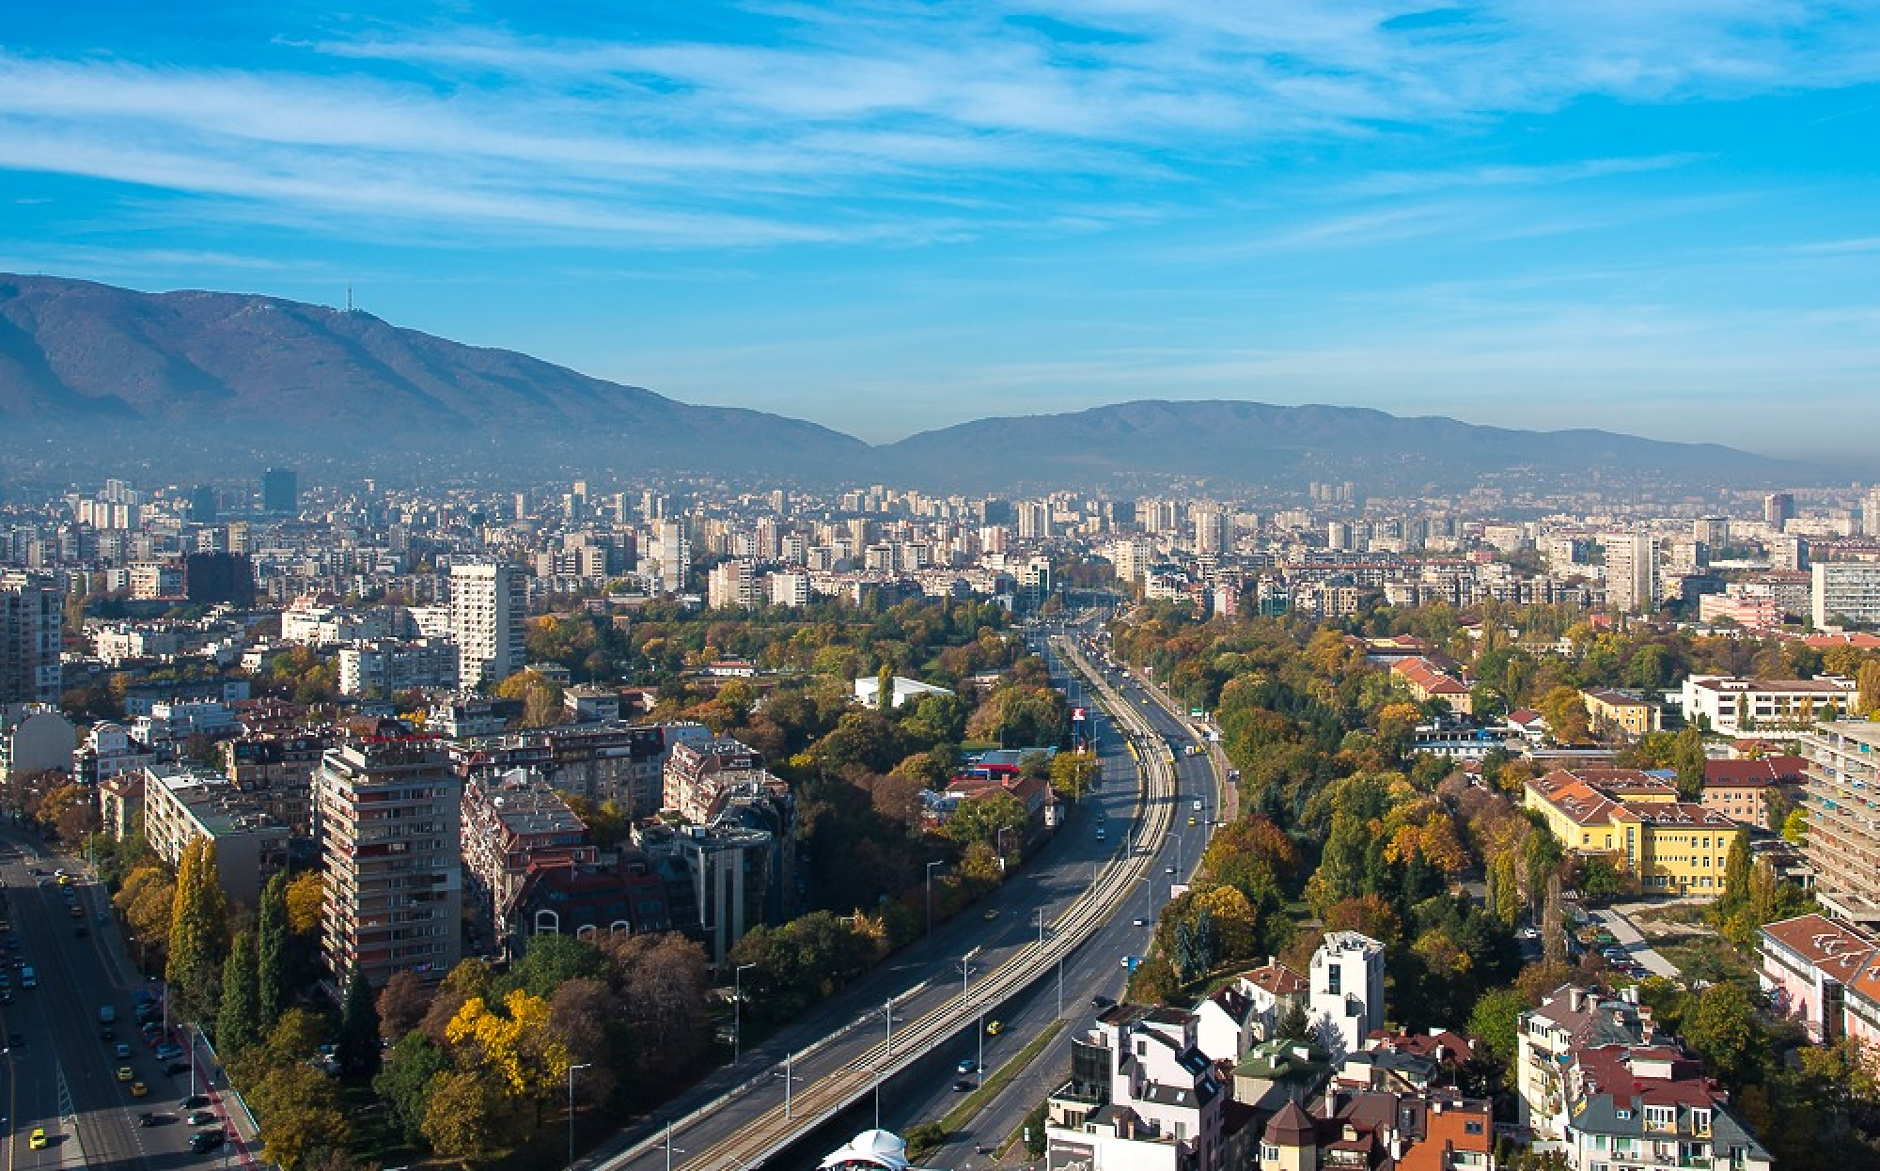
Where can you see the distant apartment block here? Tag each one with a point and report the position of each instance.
(1845, 591)
(701, 779)
(1631, 572)
(31, 619)
(388, 666)
(388, 813)
(489, 606)
(730, 585)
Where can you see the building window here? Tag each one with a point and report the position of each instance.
(1334, 976)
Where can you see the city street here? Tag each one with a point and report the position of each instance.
(61, 1074)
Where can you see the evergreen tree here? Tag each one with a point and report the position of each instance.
(1293, 1024)
(358, 1049)
(1736, 872)
(198, 932)
(1687, 756)
(238, 1016)
(271, 983)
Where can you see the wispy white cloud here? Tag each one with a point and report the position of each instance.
(881, 121)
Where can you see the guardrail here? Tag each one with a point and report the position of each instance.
(804, 1111)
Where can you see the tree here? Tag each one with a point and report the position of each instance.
(402, 1004)
(988, 820)
(466, 1116)
(406, 1081)
(300, 1113)
(1687, 756)
(358, 1048)
(304, 896)
(1565, 713)
(1723, 1028)
(1495, 1019)
(1293, 1024)
(238, 1022)
(515, 1044)
(271, 975)
(552, 960)
(1736, 871)
(198, 931)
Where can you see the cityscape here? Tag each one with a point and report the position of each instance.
(436, 784)
(1087, 585)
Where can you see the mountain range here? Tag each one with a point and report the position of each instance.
(185, 381)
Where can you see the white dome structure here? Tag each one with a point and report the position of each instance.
(870, 1149)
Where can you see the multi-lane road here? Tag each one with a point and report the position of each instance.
(1103, 888)
(60, 1074)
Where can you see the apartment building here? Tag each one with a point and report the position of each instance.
(387, 814)
(1425, 1130)
(1844, 591)
(1842, 800)
(511, 827)
(1821, 974)
(611, 761)
(489, 605)
(1631, 572)
(183, 803)
(31, 618)
(701, 779)
(731, 586)
(276, 771)
(389, 666)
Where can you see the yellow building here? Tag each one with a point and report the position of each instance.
(1608, 711)
(1636, 821)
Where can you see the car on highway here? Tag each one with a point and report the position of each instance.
(149, 1119)
(139, 1089)
(1139, 923)
(1102, 1002)
(992, 913)
(125, 1073)
(967, 1065)
(994, 1028)
(38, 1140)
(1168, 869)
(123, 1051)
(962, 1086)
(206, 1140)
(1192, 821)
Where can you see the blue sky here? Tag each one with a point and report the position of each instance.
(1655, 216)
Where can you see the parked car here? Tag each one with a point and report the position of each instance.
(206, 1140)
(168, 1050)
(203, 1118)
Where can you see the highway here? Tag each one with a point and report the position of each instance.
(1094, 970)
(976, 968)
(944, 993)
(60, 1074)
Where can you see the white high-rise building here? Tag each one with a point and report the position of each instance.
(1345, 1001)
(489, 604)
(1631, 571)
(731, 585)
(674, 553)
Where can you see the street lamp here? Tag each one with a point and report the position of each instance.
(571, 1069)
(966, 970)
(930, 867)
(737, 1012)
(669, 1147)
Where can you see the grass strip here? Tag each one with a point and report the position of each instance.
(931, 1136)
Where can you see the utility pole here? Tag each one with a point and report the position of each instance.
(737, 1012)
(930, 867)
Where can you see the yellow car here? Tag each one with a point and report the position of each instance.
(124, 1073)
(38, 1140)
(139, 1089)
(994, 1028)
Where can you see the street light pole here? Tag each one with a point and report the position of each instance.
(930, 867)
(737, 1012)
(669, 1145)
(571, 1069)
